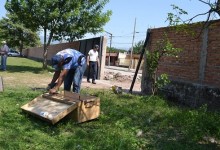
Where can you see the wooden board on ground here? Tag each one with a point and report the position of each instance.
(53, 108)
(1, 84)
(48, 110)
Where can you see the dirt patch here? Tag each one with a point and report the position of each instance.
(115, 78)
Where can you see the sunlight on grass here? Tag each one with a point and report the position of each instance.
(24, 72)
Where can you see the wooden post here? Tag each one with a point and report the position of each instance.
(1, 84)
(140, 59)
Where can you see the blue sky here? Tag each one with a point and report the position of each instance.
(148, 14)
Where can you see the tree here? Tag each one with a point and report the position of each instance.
(214, 8)
(62, 19)
(16, 34)
(164, 48)
(137, 47)
(115, 50)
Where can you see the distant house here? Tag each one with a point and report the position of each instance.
(123, 60)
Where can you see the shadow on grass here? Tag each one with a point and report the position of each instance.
(21, 69)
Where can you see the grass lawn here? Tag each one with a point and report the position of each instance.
(127, 122)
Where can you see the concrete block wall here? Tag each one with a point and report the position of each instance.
(37, 52)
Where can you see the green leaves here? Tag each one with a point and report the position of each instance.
(16, 33)
(64, 19)
(175, 19)
(138, 47)
(164, 48)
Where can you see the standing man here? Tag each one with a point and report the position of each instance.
(4, 54)
(69, 65)
(93, 62)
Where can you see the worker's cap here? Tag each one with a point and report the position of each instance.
(55, 60)
(96, 46)
(3, 42)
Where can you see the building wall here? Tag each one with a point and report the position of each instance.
(37, 52)
(124, 59)
(82, 45)
(197, 65)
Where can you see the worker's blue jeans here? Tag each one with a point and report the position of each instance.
(3, 62)
(74, 76)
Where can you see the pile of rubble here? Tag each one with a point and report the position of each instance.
(120, 77)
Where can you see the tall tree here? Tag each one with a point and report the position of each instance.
(16, 34)
(61, 19)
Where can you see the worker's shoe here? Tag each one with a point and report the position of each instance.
(93, 82)
(88, 81)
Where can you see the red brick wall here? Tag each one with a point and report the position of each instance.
(187, 66)
(212, 72)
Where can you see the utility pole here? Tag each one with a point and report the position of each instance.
(131, 60)
(109, 48)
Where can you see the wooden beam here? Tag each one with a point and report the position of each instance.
(1, 84)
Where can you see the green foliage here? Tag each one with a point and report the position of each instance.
(60, 19)
(115, 50)
(64, 19)
(179, 25)
(164, 48)
(175, 19)
(138, 47)
(16, 34)
(162, 80)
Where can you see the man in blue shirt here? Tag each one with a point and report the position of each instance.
(69, 65)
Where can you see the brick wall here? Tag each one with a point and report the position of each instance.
(195, 74)
(212, 71)
(187, 67)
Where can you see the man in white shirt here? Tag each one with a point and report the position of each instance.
(93, 63)
(4, 54)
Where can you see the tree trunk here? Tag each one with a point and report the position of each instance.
(146, 82)
(45, 50)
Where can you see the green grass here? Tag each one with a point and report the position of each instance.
(127, 122)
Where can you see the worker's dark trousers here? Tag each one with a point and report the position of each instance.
(92, 70)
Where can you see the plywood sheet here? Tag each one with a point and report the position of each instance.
(49, 110)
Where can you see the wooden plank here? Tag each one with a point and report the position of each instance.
(77, 97)
(57, 97)
(1, 84)
(48, 110)
(80, 108)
